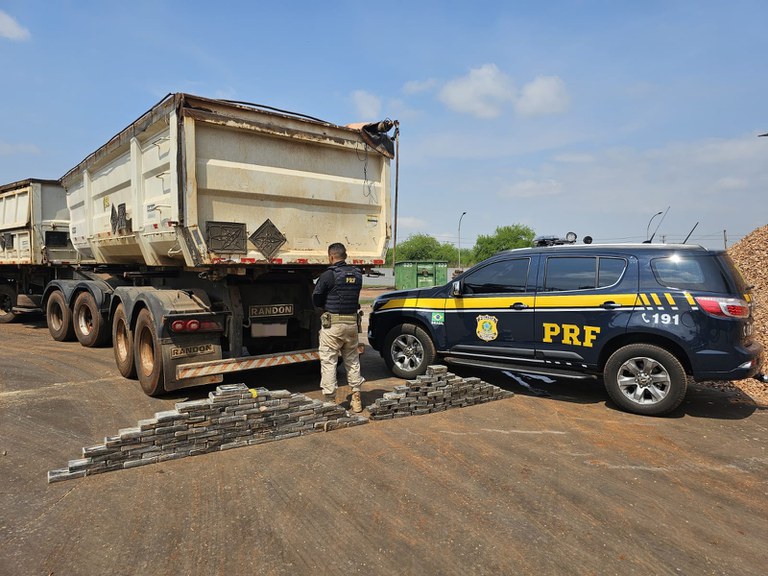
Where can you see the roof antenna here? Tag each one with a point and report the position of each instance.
(691, 232)
(659, 224)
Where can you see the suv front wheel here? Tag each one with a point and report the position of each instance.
(408, 350)
(645, 379)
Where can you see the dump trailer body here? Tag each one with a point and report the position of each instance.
(198, 182)
(209, 222)
(34, 243)
(34, 224)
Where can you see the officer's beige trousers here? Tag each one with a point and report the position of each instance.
(339, 339)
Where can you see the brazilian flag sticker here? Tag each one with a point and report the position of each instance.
(438, 318)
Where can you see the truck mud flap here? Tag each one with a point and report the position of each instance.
(179, 353)
(204, 369)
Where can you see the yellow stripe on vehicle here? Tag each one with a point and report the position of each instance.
(669, 298)
(656, 299)
(689, 298)
(457, 303)
(584, 300)
(503, 302)
(645, 300)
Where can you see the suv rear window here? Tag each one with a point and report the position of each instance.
(702, 273)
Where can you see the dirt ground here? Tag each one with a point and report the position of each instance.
(564, 484)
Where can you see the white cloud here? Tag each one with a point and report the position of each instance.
(417, 86)
(532, 189)
(11, 29)
(545, 95)
(11, 149)
(367, 105)
(731, 183)
(482, 93)
(411, 223)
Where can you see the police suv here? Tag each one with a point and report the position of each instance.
(645, 317)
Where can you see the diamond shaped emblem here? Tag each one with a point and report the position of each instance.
(268, 239)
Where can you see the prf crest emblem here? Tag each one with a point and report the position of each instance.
(486, 327)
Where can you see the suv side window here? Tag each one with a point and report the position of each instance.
(690, 273)
(499, 277)
(570, 273)
(610, 271)
(565, 273)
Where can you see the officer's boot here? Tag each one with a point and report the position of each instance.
(357, 403)
(329, 397)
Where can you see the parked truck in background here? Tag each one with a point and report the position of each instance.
(204, 225)
(34, 244)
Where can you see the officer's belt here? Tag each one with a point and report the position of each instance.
(343, 318)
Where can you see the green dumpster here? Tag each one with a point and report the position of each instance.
(420, 274)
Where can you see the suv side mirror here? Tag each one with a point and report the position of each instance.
(456, 288)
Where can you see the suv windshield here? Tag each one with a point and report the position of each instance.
(701, 273)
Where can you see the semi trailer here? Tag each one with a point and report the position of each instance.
(198, 231)
(34, 244)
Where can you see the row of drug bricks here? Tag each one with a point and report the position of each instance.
(234, 416)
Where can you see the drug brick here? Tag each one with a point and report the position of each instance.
(168, 416)
(98, 450)
(64, 474)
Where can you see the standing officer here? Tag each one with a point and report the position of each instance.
(337, 292)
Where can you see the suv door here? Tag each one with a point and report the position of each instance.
(490, 313)
(582, 301)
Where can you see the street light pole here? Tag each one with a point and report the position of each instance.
(460, 218)
(648, 228)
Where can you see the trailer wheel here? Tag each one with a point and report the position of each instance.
(7, 302)
(59, 318)
(90, 325)
(122, 343)
(147, 355)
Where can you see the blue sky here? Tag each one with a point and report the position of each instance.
(580, 115)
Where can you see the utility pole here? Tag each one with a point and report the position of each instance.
(462, 216)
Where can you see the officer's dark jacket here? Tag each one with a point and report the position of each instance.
(338, 289)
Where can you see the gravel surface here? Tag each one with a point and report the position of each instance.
(751, 256)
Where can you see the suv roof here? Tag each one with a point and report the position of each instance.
(635, 247)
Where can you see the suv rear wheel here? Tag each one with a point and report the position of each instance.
(408, 350)
(645, 379)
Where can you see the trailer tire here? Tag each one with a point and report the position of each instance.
(59, 318)
(147, 355)
(89, 323)
(122, 343)
(7, 302)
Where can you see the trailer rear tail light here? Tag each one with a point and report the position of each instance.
(724, 307)
(195, 325)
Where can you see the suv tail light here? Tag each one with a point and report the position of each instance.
(181, 325)
(724, 307)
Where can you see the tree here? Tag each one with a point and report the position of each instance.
(424, 247)
(505, 238)
(418, 247)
